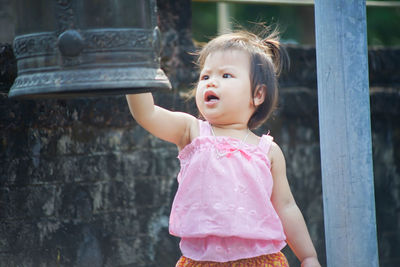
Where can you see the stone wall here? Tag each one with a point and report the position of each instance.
(81, 184)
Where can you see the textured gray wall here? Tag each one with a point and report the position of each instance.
(81, 183)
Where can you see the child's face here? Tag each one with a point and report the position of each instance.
(223, 94)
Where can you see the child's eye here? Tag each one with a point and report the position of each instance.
(227, 75)
(204, 77)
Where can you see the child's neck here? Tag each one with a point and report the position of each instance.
(237, 131)
(231, 126)
(231, 130)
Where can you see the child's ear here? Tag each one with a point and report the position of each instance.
(259, 94)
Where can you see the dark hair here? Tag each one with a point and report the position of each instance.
(267, 58)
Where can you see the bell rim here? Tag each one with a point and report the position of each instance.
(35, 93)
(72, 83)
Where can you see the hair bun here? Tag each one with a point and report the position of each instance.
(278, 53)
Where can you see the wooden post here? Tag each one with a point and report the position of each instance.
(345, 133)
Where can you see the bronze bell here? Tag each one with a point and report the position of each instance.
(90, 47)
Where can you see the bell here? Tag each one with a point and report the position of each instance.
(82, 48)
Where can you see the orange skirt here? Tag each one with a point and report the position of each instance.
(271, 260)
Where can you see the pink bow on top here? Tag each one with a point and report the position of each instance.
(228, 151)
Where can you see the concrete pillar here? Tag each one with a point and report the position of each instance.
(224, 25)
(345, 133)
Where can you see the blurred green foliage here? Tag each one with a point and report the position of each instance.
(295, 22)
(383, 26)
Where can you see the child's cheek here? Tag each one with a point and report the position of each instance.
(198, 97)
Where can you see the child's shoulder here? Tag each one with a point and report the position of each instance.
(194, 128)
(190, 132)
(275, 153)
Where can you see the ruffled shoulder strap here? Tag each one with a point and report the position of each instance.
(204, 128)
(266, 142)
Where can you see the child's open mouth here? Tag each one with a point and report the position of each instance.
(210, 97)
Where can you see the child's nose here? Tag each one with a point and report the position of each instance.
(211, 83)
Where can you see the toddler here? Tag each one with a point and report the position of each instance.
(233, 206)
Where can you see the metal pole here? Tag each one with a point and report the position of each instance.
(345, 133)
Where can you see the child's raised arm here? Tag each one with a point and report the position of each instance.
(174, 127)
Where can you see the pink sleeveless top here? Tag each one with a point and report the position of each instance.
(222, 209)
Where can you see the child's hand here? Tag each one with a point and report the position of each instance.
(310, 262)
